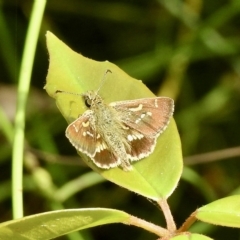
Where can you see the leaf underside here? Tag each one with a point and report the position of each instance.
(50, 225)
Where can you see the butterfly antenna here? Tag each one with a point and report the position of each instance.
(103, 79)
(60, 91)
(80, 94)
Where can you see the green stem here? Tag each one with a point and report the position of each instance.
(171, 226)
(23, 89)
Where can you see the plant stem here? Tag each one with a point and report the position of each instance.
(148, 226)
(171, 226)
(23, 89)
(189, 221)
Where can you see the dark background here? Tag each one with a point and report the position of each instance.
(187, 50)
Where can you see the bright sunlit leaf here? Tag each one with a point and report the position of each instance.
(224, 212)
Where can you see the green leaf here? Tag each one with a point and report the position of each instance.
(56, 223)
(153, 177)
(224, 212)
(191, 236)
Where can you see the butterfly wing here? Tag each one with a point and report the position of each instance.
(150, 116)
(139, 147)
(84, 138)
(144, 119)
(81, 135)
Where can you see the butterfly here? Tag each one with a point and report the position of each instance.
(118, 133)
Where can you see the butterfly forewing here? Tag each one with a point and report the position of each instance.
(150, 116)
(82, 136)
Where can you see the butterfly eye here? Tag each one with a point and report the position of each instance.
(88, 102)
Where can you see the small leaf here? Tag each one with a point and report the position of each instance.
(56, 223)
(153, 177)
(191, 236)
(224, 212)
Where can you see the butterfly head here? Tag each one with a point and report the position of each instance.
(91, 98)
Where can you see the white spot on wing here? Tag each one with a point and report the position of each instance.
(76, 129)
(130, 138)
(134, 136)
(139, 136)
(89, 134)
(138, 120)
(138, 108)
(85, 124)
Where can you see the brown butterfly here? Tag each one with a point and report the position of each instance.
(118, 133)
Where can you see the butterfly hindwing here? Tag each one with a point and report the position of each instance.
(140, 147)
(106, 159)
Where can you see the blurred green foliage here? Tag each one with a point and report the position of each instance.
(187, 50)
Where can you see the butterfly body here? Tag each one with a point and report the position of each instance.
(105, 121)
(120, 132)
